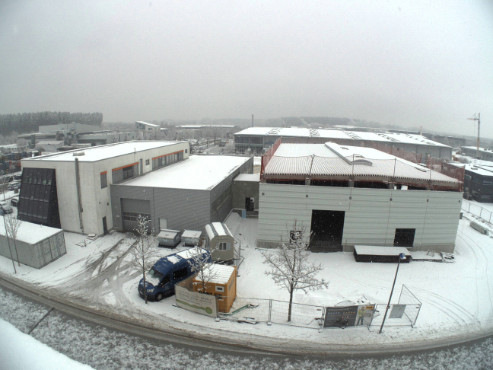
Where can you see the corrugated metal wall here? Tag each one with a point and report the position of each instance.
(182, 208)
(372, 215)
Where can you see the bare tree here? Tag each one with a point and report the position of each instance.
(201, 263)
(290, 267)
(144, 249)
(12, 225)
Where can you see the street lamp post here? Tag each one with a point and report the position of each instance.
(478, 119)
(401, 257)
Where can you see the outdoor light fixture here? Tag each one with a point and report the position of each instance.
(402, 256)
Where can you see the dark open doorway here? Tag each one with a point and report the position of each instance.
(326, 231)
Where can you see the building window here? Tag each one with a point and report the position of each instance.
(404, 237)
(219, 288)
(128, 172)
(223, 246)
(147, 162)
(104, 179)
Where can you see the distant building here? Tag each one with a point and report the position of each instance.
(345, 196)
(258, 139)
(148, 131)
(472, 151)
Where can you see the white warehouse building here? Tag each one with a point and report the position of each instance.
(344, 196)
(71, 189)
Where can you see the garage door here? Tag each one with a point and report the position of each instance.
(131, 209)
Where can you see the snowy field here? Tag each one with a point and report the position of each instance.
(457, 298)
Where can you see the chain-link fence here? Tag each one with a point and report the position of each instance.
(254, 310)
(404, 313)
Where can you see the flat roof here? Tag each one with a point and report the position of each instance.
(343, 161)
(101, 152)
(31, 233)
(217, 274)
(198, 172)
(384, 136)
(250, 177)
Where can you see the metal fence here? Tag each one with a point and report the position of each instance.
(404, 313)
(254, 310)
(476, 210)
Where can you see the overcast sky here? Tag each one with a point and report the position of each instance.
(413, 63)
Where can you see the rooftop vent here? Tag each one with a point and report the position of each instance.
(78, 154)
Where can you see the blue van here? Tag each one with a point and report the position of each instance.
(162, 277)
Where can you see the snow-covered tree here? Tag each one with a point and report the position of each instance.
(290, 267)
(12, 225)
(144, 251)
(200, 264)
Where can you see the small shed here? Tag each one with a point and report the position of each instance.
(35, 245)
(369, 253)
(169, 238)
(220, 242)
(191, 238)
(220, 280)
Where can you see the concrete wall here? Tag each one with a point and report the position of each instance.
(371, 215)
(222, 194)
(34, 255)
(243, 189)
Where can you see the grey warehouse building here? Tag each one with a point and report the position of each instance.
(185, 195)
(259, 139)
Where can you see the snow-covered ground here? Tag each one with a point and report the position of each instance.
(457, 298)
(21, 351)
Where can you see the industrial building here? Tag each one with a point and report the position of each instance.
(71, 189)
(187, 195)
(34, 245)
(344, 196)
(258, 139)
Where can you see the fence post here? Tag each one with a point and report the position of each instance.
(269, 321)
(480, 212)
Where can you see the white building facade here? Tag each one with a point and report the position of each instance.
(347, 196)
(82, 180)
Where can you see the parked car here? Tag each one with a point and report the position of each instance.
(168, 271)
(14, 202)
(14, 186)
(6, 209)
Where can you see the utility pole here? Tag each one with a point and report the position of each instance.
(478, 118)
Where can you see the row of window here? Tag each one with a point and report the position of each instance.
(131, 171)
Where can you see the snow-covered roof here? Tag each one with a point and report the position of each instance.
(331, 160)
(101, 152)
(31, 233)
(328, 134)
(168, 234)
(252, 177)
(483, 170)
(192, 234)
(217, 229)
(217, 274)
(380, 251)
(198, 172)
(148, 124)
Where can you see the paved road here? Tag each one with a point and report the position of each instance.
(101, 347)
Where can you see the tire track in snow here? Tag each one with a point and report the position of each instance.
(484, 265)
(447, 306)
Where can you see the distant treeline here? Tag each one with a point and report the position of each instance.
(30, 122)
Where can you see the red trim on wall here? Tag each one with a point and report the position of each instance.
(165, 155)
(127, 165)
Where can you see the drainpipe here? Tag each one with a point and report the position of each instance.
(79, 198)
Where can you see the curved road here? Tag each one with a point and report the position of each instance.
(248, 347)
